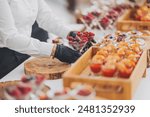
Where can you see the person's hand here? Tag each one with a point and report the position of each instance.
(66, 54)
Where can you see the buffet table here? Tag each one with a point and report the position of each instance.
(140, 94)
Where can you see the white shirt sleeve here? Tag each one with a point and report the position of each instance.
(48, 21)
(12, 39)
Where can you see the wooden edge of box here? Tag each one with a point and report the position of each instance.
(3, 85)
(128, 84)
(124, 23)
(137, 74)
(8, 83)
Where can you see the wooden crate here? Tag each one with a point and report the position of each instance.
(111, 88)
(147, 41)
(124, 23)
(4, 85)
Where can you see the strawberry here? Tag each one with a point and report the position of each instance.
(15, 93)
(39, 79)
(25, 79)
(84, 92)
(70, 38)
(91, 34)
(79, 33)
(104, 22)
(85, 38)
(24, 90)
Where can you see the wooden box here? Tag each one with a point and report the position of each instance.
(125, 23)
(111, 88)
(4, 85)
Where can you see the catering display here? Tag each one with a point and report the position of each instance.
(136, 18)
(109, 68)
(101, 16)
(46, 66)
(117, 58)
(30, 87)
(141, 13)
(114, 68)
(33, 88)
(77, 91)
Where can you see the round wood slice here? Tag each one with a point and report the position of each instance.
(46, 66)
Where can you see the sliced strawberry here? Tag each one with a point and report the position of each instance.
(39, 79)
(79, 33)
(24, 90)
(70, 38)
(85, 38)
(15, 93)
(84, 92)
(25, 79)
(91, 34)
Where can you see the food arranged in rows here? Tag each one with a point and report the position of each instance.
(118, 55)
(82, 41)
(77, 91)
(114, 67)
(137, 17)
(133, 33)
(141, 13)
(101, 18)
(30, 87)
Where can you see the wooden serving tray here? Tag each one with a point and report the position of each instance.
(4, 85)
(111, 88)
(46, 66)
(124, 23)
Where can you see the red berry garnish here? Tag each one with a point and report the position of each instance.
(84, 92)
(39, 79)
(15, 93)
(24, 90)
(79, 33)
(91, 34)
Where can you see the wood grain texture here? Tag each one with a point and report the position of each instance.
(125, 23)
(110, 88)
(4, 85)
(46, 66)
